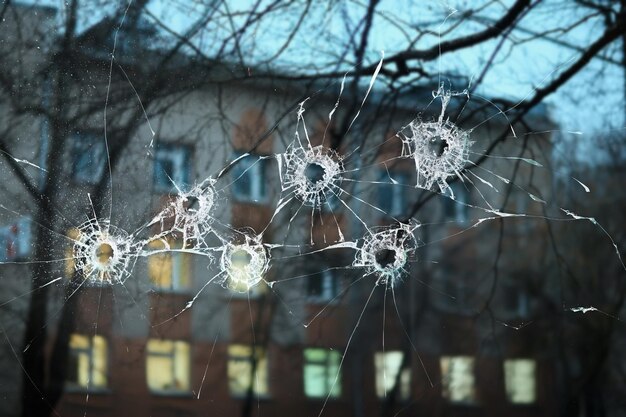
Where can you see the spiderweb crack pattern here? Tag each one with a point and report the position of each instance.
(245, 264)
(313, 174)
(386, 251)
(440, 149)
(190, 214)
(103, 253)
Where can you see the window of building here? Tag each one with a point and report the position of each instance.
(87, 362)
(249, 176)
(456, 209)
(392, 196)
(240, 375)
(388, 366)
(321, 370)
(167, 365)
(457, 379)
(322, 287)
(169, 270)
(519, 380)
(516, 300)
(242, 269)
(70, 264)
(171, 167)
(88, 157)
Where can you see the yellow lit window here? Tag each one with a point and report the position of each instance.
(87, 365)
(321, 370)
(239, 264)
(70, 264)
(388, 366)
(167, 365)
(458, 382)
(519, 380)
(169, 270)
(240, 376)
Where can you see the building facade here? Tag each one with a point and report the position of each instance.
(175, 336)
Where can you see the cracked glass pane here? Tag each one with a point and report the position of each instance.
(319, 208)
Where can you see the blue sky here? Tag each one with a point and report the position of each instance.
(591, 103)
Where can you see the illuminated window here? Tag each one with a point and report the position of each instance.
(70, 264)
(519, 380)
(242, 268)
(321, 370)
(171, 166)
(392, 196)
(87, 364)
(458, 383)
(249, 176)
(88, 157)
(167, 365)
(387, 367)
(170, 270)
(322, 287)
(240, 376)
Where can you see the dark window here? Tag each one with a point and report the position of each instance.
(88, 157)
(516, 300)
(249, 179)
(392, 192)
(322, 287)
(171, 167)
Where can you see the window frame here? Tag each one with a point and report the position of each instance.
(257, 171)
(171, 148)
(510, 386)
(516, 300)
(182, 259)
(332, 389)
(330, 287)
(398, 199)
(262, 359)
(172, 356)
(380, 365)
(87, 144)
(89, 351)
(447, 380)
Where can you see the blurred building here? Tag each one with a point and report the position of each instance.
(454, 338)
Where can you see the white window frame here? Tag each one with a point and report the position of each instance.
(179, 156)
(255, 170)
